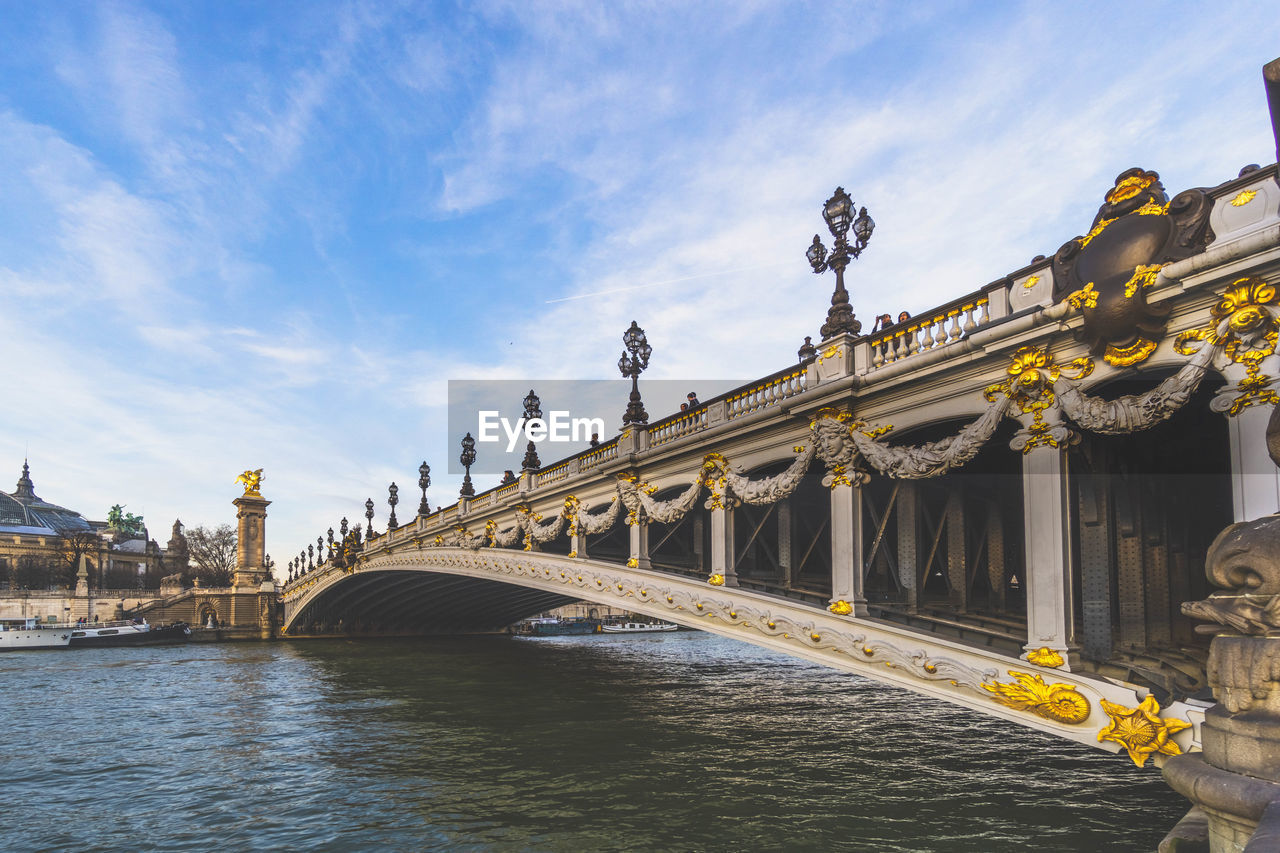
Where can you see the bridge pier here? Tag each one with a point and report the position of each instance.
(846, 548)
(723, 561)
(639, 542)
(1047, 518)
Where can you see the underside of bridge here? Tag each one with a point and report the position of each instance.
(403, 603)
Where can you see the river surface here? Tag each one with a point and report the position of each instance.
(675, 742)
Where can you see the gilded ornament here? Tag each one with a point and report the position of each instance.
(1130, 186)
(716, 580)
(632, 563)
(571, 555)
(841, 608)
(1031, 282)
(1031, 375)
(1085, 297)
(1130, 355)
(1243, 198)
(1141, 730)
(1245, 327)
(1144, 276)
(251, 480)
(1046, 657)
(1062, 703)
(816, 637)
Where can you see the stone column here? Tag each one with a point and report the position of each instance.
(846, 551)
(251, 518)
(1235, 782)
(639, 534)
(578, 545)
(1255, 480)
(1047, 519)
(723, 559)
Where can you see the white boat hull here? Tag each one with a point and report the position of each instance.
(18, 639)
(639, 628)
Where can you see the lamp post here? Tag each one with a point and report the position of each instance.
(532, 410)
(467, 458)
(838, 212)
(331, 544)
(393, 498)
(632, 363)
(368, 513)
(424, 480)
(311, 558)
(319, 550)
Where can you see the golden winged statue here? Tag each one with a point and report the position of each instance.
(251, 480)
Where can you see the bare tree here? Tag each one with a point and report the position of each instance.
(71, 547)
(213, 554)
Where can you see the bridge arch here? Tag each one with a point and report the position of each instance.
(491, 587)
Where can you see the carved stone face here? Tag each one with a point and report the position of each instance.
(1246, 557)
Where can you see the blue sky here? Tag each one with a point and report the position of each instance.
(242, 235)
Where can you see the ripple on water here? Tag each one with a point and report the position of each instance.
(674, 742)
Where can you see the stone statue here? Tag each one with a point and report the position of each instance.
(251, 480)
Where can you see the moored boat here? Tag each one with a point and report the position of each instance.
(127, 633)
(638, 627)
(28, 633)
(558, 627)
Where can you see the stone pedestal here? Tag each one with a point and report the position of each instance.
(1235, 782)
(251, 520)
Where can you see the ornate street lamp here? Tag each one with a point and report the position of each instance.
(532, 409)
(311, 558)
(467, 458)
(393, 498)
(424, 480)
(632, 363)
(330, 544)
(838, 212)
(368, 513)
(343, 527)
(319, 550)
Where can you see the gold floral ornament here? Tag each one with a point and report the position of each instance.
(1045, 657)
(716, 580)
(1061, 703)
(841, 608)
(1031, 282)
(1141, 730)
(1243, 198)
(1029, 385)
(1085, 297)
(713, 477)
(491, 532)
(1245, 327)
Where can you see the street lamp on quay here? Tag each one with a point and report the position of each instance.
(424, 480)
(467, 458)
(838, 212)
(634, 359)
(393, 498)
(368, 513)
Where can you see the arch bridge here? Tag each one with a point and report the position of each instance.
(1001, 503)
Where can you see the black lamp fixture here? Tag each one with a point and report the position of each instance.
(532, 410)
(424, 480)
(838, 213)
(368, 513)
(631, 364)
(467, 458)
(393, 498)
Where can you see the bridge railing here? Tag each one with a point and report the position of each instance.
(947, 324)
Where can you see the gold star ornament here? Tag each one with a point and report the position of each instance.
(1141, 730)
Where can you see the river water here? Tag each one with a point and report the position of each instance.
(675, 742)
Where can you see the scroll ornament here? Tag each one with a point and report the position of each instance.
(1244, 330)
